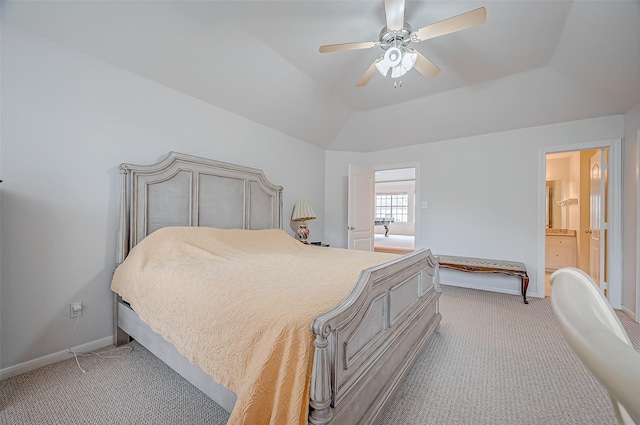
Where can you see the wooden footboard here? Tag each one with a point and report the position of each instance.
(363, 347)
(366, 345)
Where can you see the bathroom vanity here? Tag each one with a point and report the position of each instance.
(561, 249)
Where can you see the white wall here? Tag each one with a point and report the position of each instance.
(1, 126)
(631, 208)
(68, 121)
(482, 191)
(558, 180)
(573, 212)
(565, 167)
(557, 168)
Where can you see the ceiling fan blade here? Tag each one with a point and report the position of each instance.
(394, 12)
(453, 24)
(348, 46)
(367, 75)
(424, 66)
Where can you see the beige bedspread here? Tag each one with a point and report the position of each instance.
(239, 304)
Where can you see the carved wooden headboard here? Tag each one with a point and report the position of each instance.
(186, 190)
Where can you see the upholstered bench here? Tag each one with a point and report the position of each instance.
(483, 265)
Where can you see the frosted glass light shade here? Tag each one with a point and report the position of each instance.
(398, 61)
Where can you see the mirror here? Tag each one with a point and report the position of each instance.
(556, 215)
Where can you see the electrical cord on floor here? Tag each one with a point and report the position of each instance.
(101, 354)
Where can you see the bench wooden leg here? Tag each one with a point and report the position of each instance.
(525, 285)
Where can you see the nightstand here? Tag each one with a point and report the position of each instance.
(318, 244)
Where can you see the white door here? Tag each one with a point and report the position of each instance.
(360, 206)
(597, 177)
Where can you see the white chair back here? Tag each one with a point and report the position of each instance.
(594, 332)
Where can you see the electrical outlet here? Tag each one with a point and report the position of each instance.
(75, 309)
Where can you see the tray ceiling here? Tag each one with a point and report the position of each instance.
(532, 62)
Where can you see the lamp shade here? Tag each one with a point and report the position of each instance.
(302, 211)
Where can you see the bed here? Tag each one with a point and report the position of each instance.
(360, 347)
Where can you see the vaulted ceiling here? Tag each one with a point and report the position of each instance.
(531, 63)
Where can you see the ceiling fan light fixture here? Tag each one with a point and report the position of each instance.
(408, 60)
(392, 58)
(394, 39)
(398, 61)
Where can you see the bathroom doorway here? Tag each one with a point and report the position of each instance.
(582, 214)
(394, 224)
(567, 210)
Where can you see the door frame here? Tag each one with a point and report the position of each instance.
(637, 259)
(614, 209)
(416, 212)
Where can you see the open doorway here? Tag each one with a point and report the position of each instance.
(568, 209)
(584, 231)
(394, 224)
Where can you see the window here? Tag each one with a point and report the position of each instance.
(393, 206)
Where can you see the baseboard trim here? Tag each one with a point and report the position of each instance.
(490, 289)
(629, 313)
(34, 364)
(482, 288)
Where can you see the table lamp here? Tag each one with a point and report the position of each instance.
(302, 212)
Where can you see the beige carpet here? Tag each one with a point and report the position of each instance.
(496, 361)
(395, 244)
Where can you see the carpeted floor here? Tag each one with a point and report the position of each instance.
(496, 361)
(396, 244)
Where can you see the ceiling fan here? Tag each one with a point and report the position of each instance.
(398, 58)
